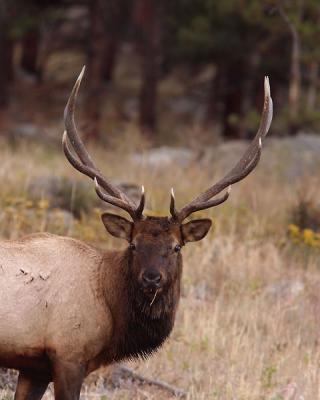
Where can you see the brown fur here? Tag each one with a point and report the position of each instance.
(67, 308)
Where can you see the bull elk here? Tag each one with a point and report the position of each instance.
(67, 308)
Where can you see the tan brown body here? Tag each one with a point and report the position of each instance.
(41, 311)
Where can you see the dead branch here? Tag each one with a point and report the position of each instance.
(155, 382)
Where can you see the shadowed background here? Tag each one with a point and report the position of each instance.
(171, 92)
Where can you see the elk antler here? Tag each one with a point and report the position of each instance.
(84, 163)
(244, 166)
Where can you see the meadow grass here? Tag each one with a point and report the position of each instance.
(236, 335)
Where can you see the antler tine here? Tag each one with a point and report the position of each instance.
(77, 144)
(140, 207)
(115, 201)
(207, 204)
(173, 210)
(84, 169)
(70, 124)
(244, 166)
(111, 194)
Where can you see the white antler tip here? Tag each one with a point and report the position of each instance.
(64, 137)
(96, 182)
(266, 87)
(142, 189)
(260, 143)
(81, 75)
(82, 72)
(229, 189)
(172, 193)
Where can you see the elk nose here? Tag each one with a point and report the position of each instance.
(151, 277)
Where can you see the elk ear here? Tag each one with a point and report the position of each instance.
(117, 226)
(195, 230)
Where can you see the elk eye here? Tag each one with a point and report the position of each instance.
(132, 246)
(177, 248)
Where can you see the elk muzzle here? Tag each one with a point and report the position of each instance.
(151, 279)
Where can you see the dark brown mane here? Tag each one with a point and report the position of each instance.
(147, 327)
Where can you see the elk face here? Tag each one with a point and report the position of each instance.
(154, 245)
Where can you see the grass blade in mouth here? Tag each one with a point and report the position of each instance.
(154, 297)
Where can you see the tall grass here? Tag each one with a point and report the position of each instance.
(242, 330)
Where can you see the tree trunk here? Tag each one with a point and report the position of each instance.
(96, 53)
(232, 101)
(226, 98)
(148, 92)
(213, 97)
(117, 14)
(148, 17)
(110, 55)
(30, 51)
(232, 127)
(313, 84)
(295, 75)
(295, 69)
(6, 65)
(248, 92)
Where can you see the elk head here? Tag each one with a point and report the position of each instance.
(155, 242)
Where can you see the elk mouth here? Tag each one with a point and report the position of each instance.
(154, 302)
(151, 290)
(152, 293)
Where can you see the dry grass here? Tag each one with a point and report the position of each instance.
(236, 336)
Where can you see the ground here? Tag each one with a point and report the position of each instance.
(248, 320)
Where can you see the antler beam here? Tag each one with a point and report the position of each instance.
(244, 166)
(83, 162)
